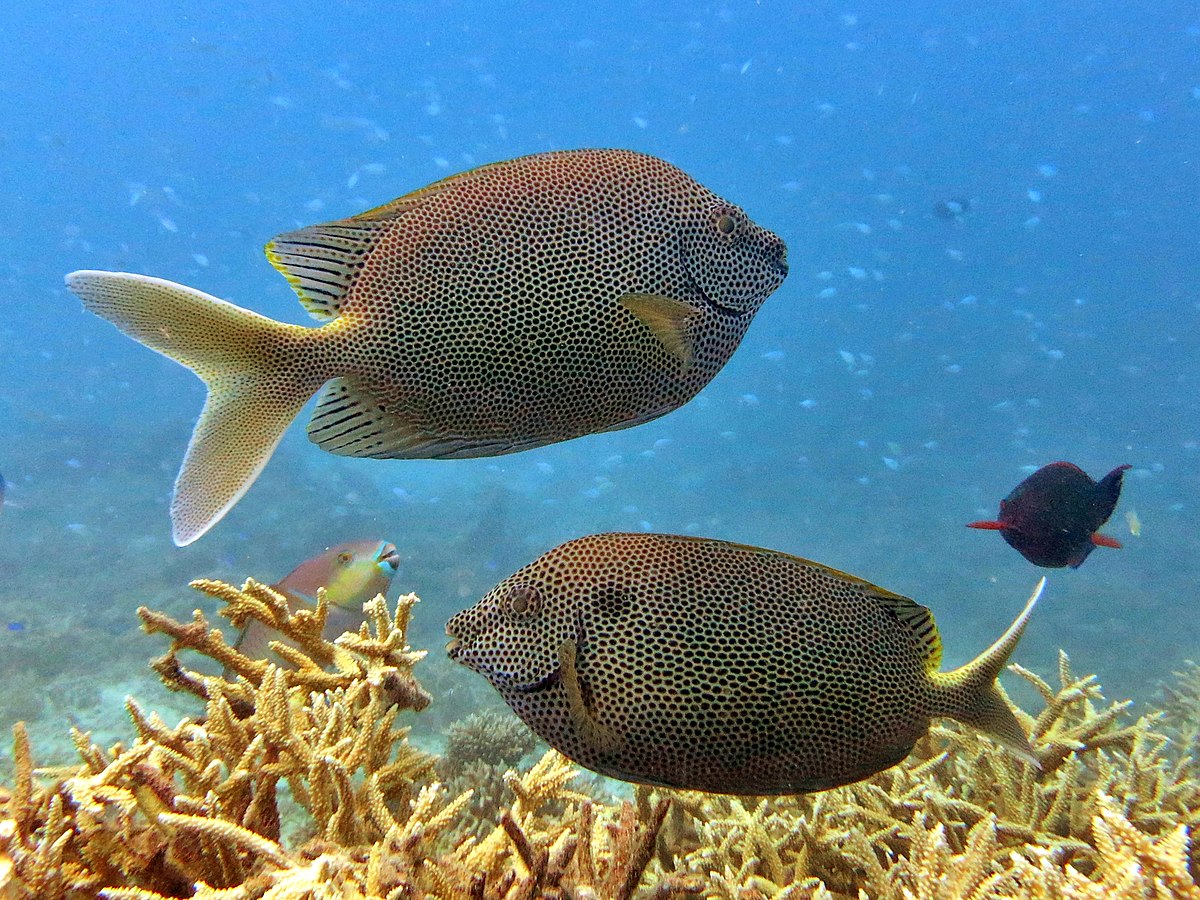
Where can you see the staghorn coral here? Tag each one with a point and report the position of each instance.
(200, 802)
(1180, 706)
(200, 809)
(195, 810)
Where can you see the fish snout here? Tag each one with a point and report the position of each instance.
(776, 251)
(458, 631)
(389, 559)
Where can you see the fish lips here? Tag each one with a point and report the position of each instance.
(505, 682)
(774, 249)
(389, 559)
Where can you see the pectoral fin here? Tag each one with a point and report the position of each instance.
(599, 736)
(669, 319)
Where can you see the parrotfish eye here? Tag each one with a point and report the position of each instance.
(345, 558)
(523, 601)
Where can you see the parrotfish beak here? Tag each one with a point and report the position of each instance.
(388, 559)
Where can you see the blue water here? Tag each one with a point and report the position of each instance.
(908, 374)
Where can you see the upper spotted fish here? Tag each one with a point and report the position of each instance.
(515, 305)
(1053, 517)
(711, 666)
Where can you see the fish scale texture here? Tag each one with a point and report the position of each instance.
(486, 314)
(706, 665)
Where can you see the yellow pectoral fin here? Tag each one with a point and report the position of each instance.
(600, 736)
(669, 319)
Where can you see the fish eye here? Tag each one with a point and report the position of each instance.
(726, 224)
(523, 600)
(345, 557)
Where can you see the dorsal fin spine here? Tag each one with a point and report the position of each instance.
(321, 262)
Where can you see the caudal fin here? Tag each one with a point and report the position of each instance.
(971, 695)
(1108, 492)
(257, 382)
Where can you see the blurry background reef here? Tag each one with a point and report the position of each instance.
(301, 782)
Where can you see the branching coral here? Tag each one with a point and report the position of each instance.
(200, 809)
(195, 809)
(200, 802)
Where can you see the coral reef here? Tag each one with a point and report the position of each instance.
(489, 737)
(300, 782)
(480, 750)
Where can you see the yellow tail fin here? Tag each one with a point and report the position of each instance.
(971, 694)
(259, 374)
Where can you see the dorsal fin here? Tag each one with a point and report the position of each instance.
(321, 262)
(401, 205)
(917, 619)
(912, 615)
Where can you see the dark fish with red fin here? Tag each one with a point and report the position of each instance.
(1053, 517)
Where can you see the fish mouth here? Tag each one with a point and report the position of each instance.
(501, 680)
(729, 312)
(388, 558)
(504, 681)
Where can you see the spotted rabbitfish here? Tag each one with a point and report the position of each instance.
(512, 306)
(704, 665)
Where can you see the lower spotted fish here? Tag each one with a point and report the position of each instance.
(705, 665)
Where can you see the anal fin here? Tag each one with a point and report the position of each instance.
(350, 421)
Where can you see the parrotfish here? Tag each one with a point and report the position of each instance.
(351, 574)
(508, 307)
(699, 664)
(1053, 517)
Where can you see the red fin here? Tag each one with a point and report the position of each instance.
(990, 526)
(1103, 540)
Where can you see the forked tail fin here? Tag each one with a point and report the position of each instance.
(971, 694)
(259, 374)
